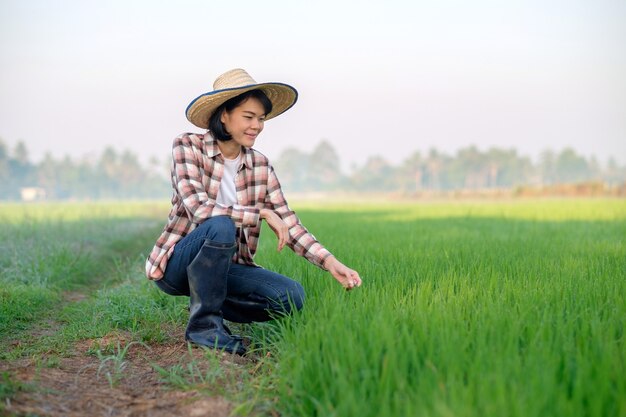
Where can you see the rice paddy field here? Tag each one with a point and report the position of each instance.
(468, 308)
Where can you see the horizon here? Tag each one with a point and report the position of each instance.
(92, 155)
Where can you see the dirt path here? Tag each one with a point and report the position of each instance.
(78, 385)
(79, 382)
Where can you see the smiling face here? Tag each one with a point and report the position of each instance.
(245, 122)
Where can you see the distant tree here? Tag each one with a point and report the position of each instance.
(107, 168)
(292, 167)
(5, 187)
(130, 176)
(435, 176)
(20, 153)
(594, 168)
(324, 171)
(4, 154)
(158, 168)
(506, 168)
(547, 167)
(21, 171)
(157, 183)
(469, 169)
(614, 174)
(47, 175)
(410, 175)
(376, 175)
(72, 182)
(108, 162)
(571, 167)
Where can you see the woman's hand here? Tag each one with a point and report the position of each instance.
(277, 224)
(346, 276)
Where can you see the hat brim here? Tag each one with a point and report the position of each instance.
(282, 96)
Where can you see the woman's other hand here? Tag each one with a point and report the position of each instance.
(277, 224)
(347, 277)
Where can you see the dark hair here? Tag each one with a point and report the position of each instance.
(216, 126)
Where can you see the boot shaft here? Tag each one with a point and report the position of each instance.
(208, 275)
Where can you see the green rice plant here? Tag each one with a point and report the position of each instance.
(469, 309)
(211, 373)
(193, 374)
(114, 365)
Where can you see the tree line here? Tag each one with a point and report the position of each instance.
(111, 175)
(120, 174)
(468, 169)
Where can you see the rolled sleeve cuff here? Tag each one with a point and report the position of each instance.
(251, 217)
(320, 257)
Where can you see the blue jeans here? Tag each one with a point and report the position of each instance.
(253, 293)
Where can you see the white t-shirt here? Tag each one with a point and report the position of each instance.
(227, 194)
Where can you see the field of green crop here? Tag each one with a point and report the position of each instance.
(493, 308)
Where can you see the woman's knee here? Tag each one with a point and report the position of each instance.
(296, 296)
(219, 229)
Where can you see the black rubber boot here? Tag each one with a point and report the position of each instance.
(234, 336)
(247, 310)
(207, 275)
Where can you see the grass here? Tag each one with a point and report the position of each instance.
(466, 309)
(113, 365)
(193, 375)
(52, 250)
(511, 308)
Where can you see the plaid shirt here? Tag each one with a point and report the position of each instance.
(197, 170)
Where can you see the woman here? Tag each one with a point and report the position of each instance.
(223, 189)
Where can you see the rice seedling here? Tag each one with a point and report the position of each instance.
(466, 309)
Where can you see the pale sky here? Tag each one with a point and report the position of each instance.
(375, 77)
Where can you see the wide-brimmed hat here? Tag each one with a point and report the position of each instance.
(231, 84)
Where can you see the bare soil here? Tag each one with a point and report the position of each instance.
(77, 385)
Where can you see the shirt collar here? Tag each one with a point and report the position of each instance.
(247, 157)
(212, 150)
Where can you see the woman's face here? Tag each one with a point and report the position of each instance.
(245, 122)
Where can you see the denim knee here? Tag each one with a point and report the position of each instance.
(296, 296)
(219, 229)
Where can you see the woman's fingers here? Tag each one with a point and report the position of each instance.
(279, 227)
(281, 233)
(283, 236)
(349, 278)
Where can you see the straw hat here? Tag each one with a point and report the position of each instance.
(233, 83)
